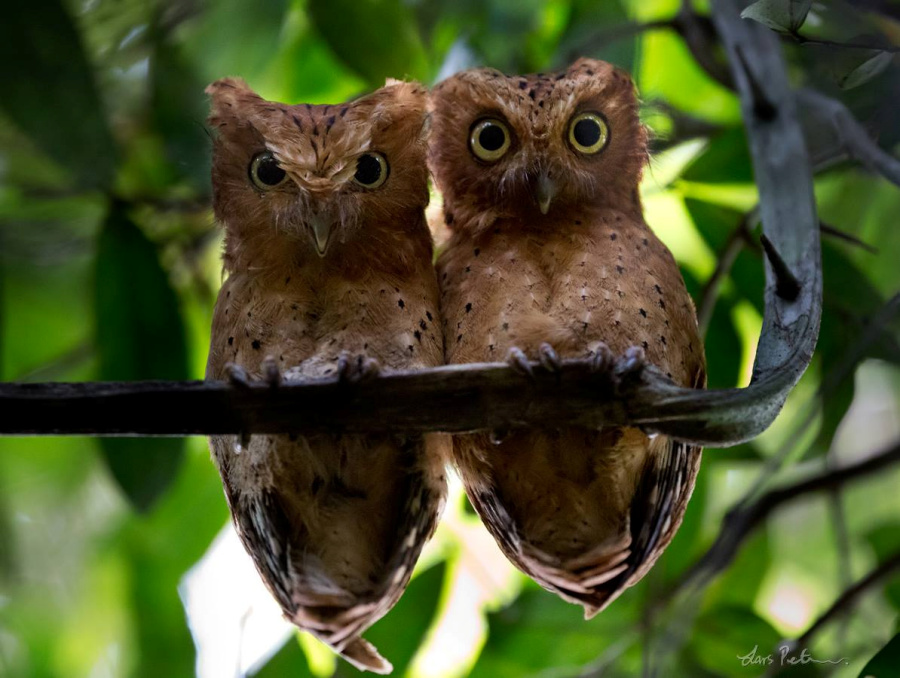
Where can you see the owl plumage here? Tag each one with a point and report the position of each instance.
(329, 263)
(549, 253)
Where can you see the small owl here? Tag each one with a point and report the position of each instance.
(549, 256)
(330, 275)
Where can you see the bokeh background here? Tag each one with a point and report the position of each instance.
(109, 267)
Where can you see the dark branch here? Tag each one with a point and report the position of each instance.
(854, 139)
(848, 599)
(740, 523)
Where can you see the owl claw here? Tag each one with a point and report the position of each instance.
(270, 371)
(356, 369)
(603, 360)
(517, 360)
(237, 375)
(631, 364)
(549, 358)
(498, 435)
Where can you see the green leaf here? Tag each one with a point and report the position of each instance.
(726, 160)
(399, 634)
(288, 661)
(49, 90)
(540, 631)
(727, 636)
(785, 16)
(860, 66)
(377, 38)
(140, 335)
(885, 663)
(179, 113)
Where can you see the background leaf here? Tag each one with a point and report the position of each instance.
(41, 55)
(140, 335)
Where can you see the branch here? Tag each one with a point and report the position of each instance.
(848, 599)
(740, 523)
(855, 141)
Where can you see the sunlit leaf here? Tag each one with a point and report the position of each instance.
(49, 90)
(140, 335)
(780, 15)
(377, 38)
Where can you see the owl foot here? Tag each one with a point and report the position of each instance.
(517, 360)
(549, 359)
(498, 435)
(618, 370)
(237, 375)
(356, 369)
(631, 364)
(271, 373)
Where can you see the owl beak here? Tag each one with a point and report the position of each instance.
(544, 190)
(320, 226)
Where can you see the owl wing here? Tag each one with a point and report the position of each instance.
(310, 598)
(597, 578)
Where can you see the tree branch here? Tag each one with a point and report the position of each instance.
(854, 138)
(848, 599)
(741, 522)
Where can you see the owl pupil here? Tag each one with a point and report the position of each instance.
(491, 138)
(586, 132)
(269, 173)
(368, 170)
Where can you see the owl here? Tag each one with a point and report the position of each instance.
(549, 256)
(330, 276)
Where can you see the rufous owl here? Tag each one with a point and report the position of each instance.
(330, 276)
(549, 256)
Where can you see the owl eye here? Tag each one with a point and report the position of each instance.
(265, 172)
(489, 140)
(371, 170)
(588, 133)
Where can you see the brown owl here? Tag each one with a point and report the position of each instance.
(330, 275)
(549, 256)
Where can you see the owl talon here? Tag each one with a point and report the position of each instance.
(603, 361)
(549, 358)
(498, 435)
(631, 364)
(237, 375)
(356, 369)
(517, 360)
(271, 373)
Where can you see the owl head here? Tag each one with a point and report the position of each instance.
(293, 184)
(537, 147)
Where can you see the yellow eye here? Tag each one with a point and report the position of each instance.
(371, 170)
(489, 139)
(588, 133)
(265, 172)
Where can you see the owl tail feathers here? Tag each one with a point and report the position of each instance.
(363, 655)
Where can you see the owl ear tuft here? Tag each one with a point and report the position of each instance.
(225, 95)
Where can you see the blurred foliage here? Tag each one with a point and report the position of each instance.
(109, 268)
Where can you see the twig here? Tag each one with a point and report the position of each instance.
(803, 40)
(605, 36)
(741, 522)
(848, 599)
(856, 142)
(834, 232)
